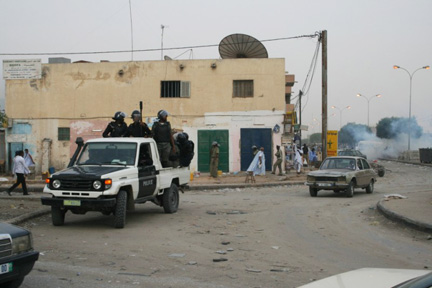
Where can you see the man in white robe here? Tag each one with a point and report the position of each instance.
(257, 165)
(298, 164)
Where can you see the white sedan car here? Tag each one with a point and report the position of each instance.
(376, 278)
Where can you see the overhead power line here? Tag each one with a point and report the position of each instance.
(149, 50)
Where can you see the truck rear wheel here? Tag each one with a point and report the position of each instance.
(57, 216)
(120, 210)
(170, 199)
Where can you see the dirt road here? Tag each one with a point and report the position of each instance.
(270, 237)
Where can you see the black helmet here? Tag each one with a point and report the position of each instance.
(119, 115)
(135, 113)
(162, 113)
(186, 135)
(181, 138)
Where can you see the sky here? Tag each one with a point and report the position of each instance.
(365, 39)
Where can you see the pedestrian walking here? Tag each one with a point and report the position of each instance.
(298, 160)
(257, 166)
(278, 162)
(116, 128)
(163, 136)
(312, 157)
(306, 154)
(20, 169)
(214, 159)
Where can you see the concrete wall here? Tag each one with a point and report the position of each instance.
(84, 97)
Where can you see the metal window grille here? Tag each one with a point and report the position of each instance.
(63, 134)
(243, 88)
(175, 89)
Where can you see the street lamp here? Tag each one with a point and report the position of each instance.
(340, 114)
(368, 100)
(411, 75)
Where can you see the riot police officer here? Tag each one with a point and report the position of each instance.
(163, 136)
(138, 128)
(116, 128)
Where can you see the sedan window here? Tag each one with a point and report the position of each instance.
(359, 164)
(365, 164)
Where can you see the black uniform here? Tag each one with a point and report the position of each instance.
(137, 130)
(115, 130)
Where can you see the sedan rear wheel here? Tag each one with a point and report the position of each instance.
(370, 187)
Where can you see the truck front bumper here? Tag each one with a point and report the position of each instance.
(81, 203)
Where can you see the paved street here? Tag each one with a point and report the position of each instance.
(271, 237)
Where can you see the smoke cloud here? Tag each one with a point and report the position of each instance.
(381, 148)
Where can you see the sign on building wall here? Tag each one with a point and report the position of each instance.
(332, 142)
(22, 69)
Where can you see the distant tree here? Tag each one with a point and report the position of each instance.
(390, 128)
(352, 133)
(3, 117)
(315, 138)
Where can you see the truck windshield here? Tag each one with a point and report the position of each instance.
(106, 153)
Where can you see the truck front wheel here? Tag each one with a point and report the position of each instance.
(170, 199)
(120, 210)
(57, 216)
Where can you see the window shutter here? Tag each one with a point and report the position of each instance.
(185, 89)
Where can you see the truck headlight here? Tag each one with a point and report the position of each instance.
(56, 184)
(97, 184)
(21, 244)
(310, 178)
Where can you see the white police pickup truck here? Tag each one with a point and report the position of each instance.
(111, 175)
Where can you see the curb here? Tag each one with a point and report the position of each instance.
(28, 216)
(242, 185)
(405, 220)
(409, 162)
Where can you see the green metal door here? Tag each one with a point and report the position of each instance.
(205, 140)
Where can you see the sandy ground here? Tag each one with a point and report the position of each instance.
(251, 237)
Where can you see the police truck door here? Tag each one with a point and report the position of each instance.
(146, 172)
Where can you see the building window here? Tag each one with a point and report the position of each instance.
(175, 89)
(63, 134)
(243, 88)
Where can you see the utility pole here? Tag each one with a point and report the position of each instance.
(300, 112)
(324, 93)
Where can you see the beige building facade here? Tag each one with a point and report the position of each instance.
(78, 100)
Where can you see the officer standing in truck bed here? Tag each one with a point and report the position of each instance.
(116, 128)
(138, 128)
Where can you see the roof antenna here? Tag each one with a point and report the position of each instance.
(162, 27)
(130, 15)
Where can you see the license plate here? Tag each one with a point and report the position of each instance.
(6, 268)
(324, 184)
(72, 202)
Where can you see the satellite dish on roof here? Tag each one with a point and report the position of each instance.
(241, 46)
(166, 57)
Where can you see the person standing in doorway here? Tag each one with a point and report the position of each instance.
(214, 160)
(278, 162)
(20, 169)
(28, 158)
